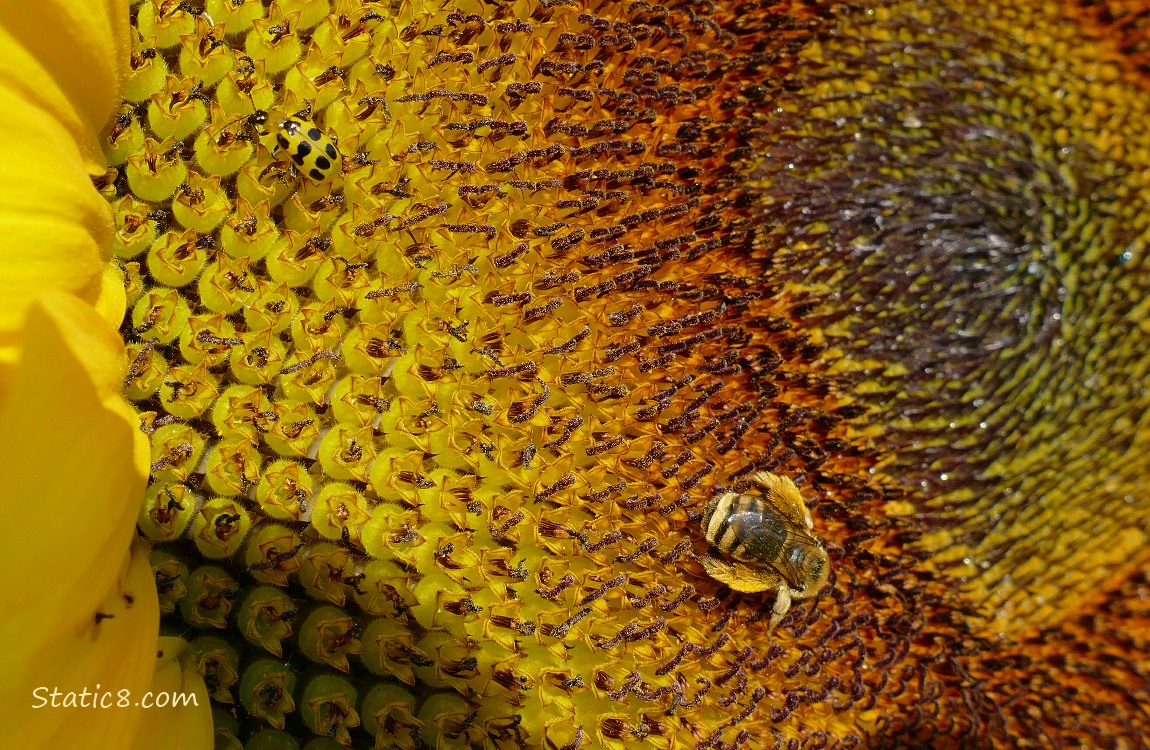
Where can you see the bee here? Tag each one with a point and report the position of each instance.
(766, 543)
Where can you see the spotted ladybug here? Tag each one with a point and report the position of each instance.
(313, 153)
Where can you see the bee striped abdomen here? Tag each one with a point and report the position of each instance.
(738, 526)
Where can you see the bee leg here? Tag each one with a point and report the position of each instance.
(782, 606)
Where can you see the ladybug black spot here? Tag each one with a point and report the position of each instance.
(302, 150)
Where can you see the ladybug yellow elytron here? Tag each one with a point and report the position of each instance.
(313, 152)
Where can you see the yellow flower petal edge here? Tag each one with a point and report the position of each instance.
(112, 299)
(181, 727)
(61, 68)
(69, 59)
(83, 613)
(79, 643)
(80, 684)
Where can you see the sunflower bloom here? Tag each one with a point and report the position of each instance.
(432, 418)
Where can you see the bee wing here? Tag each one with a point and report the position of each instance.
(739, 576)
(784, 497)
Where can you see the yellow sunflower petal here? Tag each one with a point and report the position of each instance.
(60, 65)
(87, 610)
(68, 59)
(187, 723)
(82, 688)
(112, 299)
